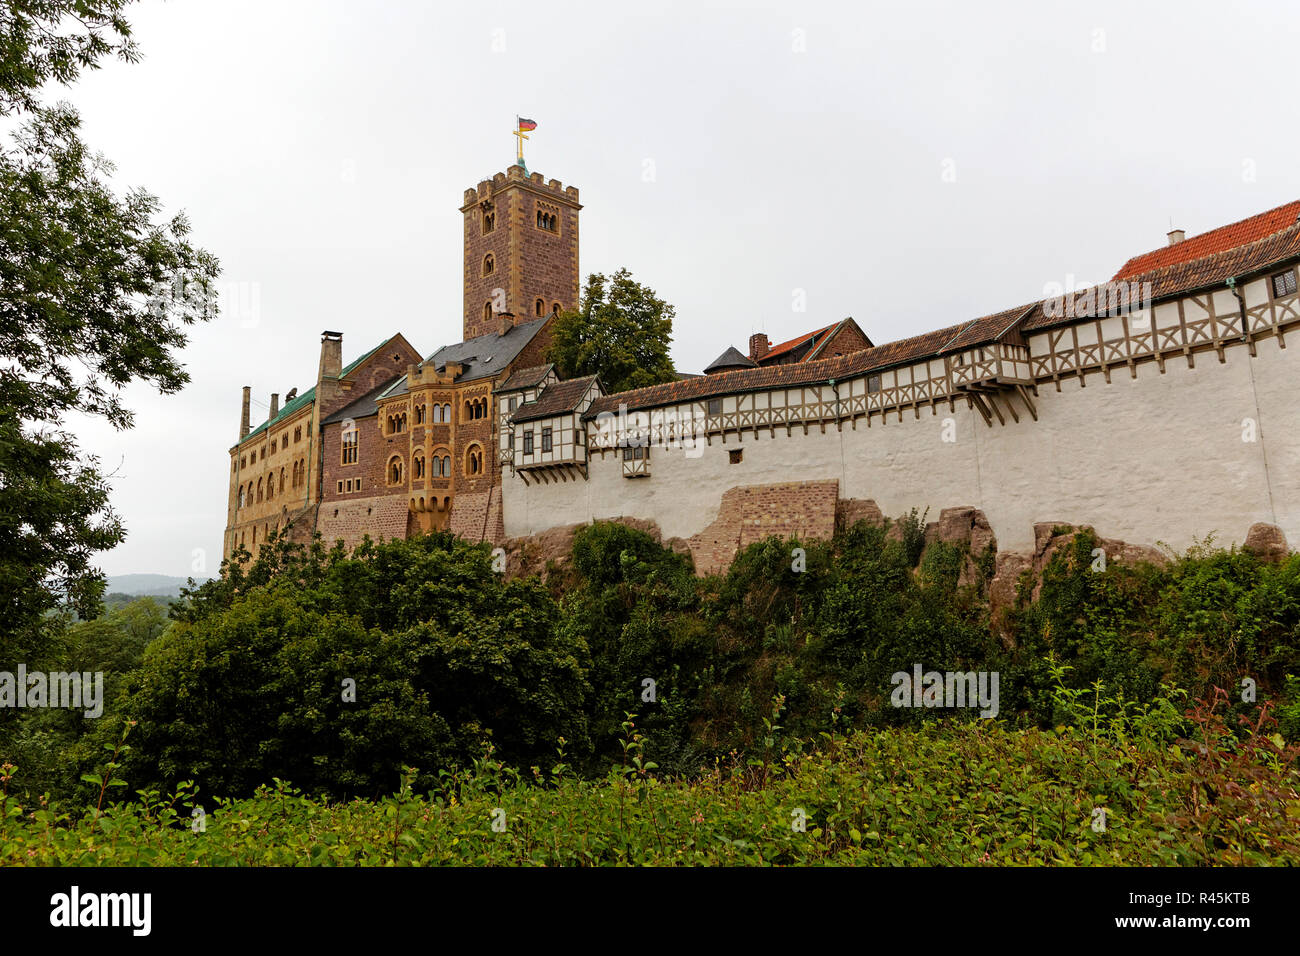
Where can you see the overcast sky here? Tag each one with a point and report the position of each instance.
(911, 165)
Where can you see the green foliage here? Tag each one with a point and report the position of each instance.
(97, 294)
(251, 682)
(58, 746)
(621, 332)
(44, 41)
(945, 794)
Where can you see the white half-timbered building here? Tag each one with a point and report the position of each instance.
(1160, 407)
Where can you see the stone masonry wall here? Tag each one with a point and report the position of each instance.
(750, 513)
(382, 518)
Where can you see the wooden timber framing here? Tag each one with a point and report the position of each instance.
(996, 379)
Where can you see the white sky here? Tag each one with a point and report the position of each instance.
(321, 151)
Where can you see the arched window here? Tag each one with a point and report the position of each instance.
(419, 466)
(419, 414)
(259, 489)
(555, 308)
(281, 481)
(474, 460)
(446, 413)
(241, 496)
(489, 222)
(441, 464)
(539, 307)
(489, 264)
(487, 311)
(270, 487)
(395, 471)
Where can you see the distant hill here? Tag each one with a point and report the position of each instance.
(147, 585)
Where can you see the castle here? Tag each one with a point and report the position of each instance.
(1157, 407)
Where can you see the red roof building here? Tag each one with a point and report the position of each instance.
(1222, 239)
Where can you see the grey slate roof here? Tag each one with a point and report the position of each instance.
(732, 358)
(482, 356)
(363, 407)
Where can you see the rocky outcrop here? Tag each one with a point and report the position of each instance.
(551, 551)
(849, 511)
(1049, 538)
(964, 527)
(1266, 542)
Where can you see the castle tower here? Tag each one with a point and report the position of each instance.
(521, 249)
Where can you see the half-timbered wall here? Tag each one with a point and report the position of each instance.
(1152, 426)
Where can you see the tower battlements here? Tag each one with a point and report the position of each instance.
(517, 175)
(521, 249)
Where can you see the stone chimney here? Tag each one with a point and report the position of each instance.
(1176, 236)
(275, 406)
(329, 390)
(507, 320)
(758, 346)
(331, 354)
(243, 417)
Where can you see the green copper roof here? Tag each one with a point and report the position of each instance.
(302, 401)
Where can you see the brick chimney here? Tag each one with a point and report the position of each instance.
(758, 346)
(331, 354)
(1176, 236)
(507, 320)
(275, 406)
(243, 416)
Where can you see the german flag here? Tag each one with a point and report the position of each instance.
(526, 124)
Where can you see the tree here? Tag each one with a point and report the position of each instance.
(620, 332)
(95, 293)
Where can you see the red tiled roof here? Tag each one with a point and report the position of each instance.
(1183, 277)
(1172, 280)
(794, 343)
(524, 378)
(1216, 240)
(794, 374)
(1175, 278)
(556, 399)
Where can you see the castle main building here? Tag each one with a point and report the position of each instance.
(1158, 407)
(393, 444)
